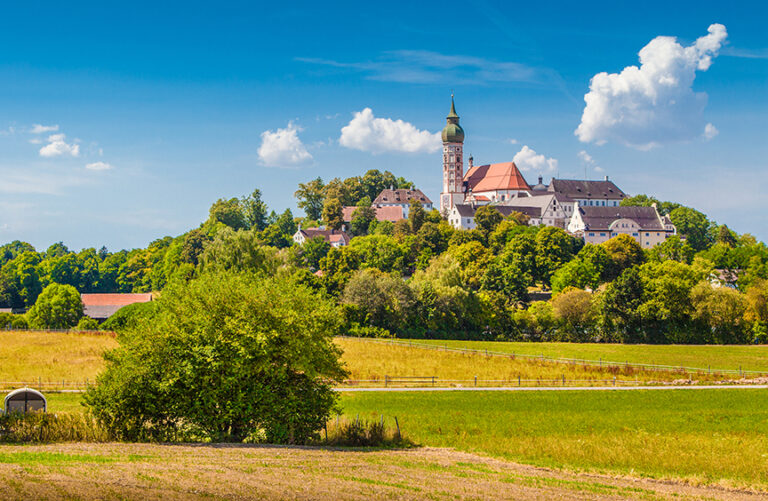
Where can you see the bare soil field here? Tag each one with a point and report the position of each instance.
(148, 472)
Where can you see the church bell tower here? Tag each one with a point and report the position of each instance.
(453, 162)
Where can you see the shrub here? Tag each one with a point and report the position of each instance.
(87, 324)
(226, 357)
(129, 316)
(57, 307)
(362, 433)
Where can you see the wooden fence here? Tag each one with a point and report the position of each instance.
(571, 361)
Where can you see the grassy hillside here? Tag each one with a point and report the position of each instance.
(713, 436)
(726, 357)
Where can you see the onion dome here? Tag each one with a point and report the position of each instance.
(452, 132)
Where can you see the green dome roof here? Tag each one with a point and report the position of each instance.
(452, 132)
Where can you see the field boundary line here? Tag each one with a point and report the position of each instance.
(566, 388)
(572, 361)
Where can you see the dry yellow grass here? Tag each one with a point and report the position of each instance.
(369, 359)
(72, 357)
(52, 356)
(149, 472)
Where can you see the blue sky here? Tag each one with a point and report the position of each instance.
(148, 113)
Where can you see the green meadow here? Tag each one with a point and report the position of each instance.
(709, 436)
(718, 357)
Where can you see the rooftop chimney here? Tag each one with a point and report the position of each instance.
(471, 161)
(541, 179)
(606, 178)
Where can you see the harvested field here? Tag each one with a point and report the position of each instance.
(51, 357)
(168, 472)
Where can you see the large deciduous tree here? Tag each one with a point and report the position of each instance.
(225, 357)
(57, 307)
(311, 198)
(693, 225)
(554, 248)
(623, 252)
(333, 216)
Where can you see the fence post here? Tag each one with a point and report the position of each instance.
(518, 381)
(386, 380)
(563, 379)
(433, 380)
(614, 380)
(475, 380)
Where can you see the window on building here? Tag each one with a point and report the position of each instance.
(647, 234)
(635, 234)
(603, 203)
(602, 234)
(591, 234)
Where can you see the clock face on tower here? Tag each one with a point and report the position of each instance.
(446, 201)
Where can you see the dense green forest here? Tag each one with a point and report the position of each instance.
(422, 278)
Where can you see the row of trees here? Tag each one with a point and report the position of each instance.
(422, 277)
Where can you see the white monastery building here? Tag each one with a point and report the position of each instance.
(598, 224)
(591, 209)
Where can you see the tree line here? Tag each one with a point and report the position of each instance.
(420, 277)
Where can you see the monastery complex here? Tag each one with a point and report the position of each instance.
(585, 208)
(590, 209)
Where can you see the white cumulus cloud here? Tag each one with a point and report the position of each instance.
(646, 106)
(586, 157)
(283, 148)
(710, 131)
(527, 159)
(40, 129)
(57, 146)
(378, 135)
(99, 166)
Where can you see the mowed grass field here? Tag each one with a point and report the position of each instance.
(723, 357)
(702, 436)
(231, 471)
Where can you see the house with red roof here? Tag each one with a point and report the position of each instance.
(337, 238)
(102, 306)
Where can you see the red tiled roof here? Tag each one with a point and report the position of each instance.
(401, 196)
(503, 176)
(392, 213)
(114, 299)
(103, 306)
